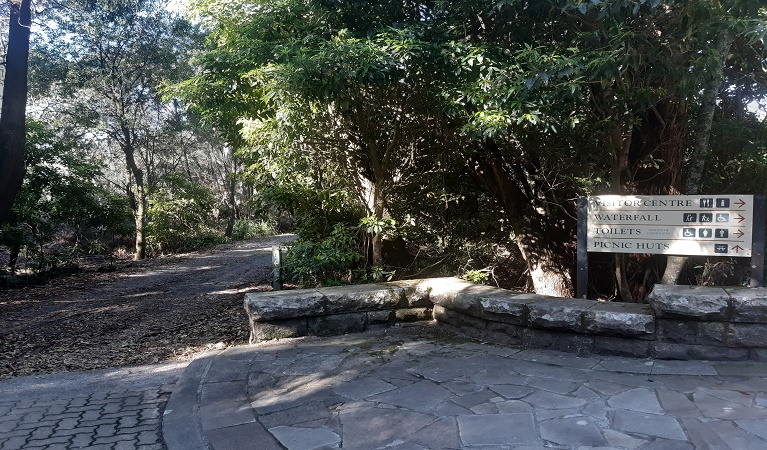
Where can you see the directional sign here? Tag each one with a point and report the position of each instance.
(716, 225)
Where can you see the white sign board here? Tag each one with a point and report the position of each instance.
(715, 225)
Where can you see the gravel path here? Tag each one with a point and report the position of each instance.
(162, 310)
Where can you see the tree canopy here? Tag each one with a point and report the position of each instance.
(449, 136)
(538, 102)
(98, 70)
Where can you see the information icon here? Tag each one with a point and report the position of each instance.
(723, 203)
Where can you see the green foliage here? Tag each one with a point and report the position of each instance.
(181, 217)
(60, 194)
(476, 276)
(331, 261)
(102, 64)
(316, 210)
(374, 225)
(378, 273)
(459, 123)
(249, 229)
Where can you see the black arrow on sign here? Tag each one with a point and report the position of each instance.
(738, 233)
(737, 248)
(740, 203)
(740, 218)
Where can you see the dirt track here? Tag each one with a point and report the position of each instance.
(167, 309)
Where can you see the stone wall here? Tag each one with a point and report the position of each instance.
(334, 310)
(680, 322)
(531, 320)
(695, 322)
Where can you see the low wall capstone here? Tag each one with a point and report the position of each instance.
(680, 322)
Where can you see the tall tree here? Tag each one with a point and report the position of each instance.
(14, 104)
(118, 53)
(336, 81)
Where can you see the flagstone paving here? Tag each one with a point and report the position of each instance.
(411, 387)
(419, 387)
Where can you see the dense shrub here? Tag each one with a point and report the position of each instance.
(61, 212)
(181, 217)
(249, 229)
(331, 261)
(315, 211)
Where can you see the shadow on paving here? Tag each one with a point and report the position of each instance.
(112, 408)
(420, 387)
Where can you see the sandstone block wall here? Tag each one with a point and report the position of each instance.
(680, 322)
(334, 310)
(698, 322)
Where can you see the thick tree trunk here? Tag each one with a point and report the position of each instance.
(547, 273)
(13, 113)
(139, 203)
(542, 235)
(674, 266)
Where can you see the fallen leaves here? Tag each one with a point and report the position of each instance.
(96, 320)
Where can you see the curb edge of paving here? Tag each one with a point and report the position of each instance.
(181, 426)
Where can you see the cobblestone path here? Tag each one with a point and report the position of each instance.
(108, 409)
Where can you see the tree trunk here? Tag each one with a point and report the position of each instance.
(619, 139)
(543, 236)
(622, 277)
(13, 114)
(705, 119)
(378, 213)
(139, 203)
(547, 273)
(140, 216)
(13, 259)
(232, 206)
(675, 264)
